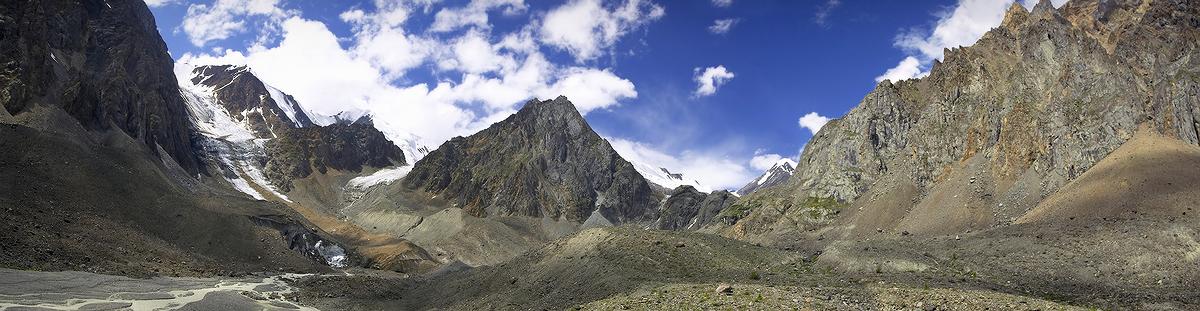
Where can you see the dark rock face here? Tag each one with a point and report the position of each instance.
(102, 62)
(778, 174)
(299, 152)
(1031, 105)
(689, 209)
(543, 161)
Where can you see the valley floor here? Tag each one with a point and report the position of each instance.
(1128, 265)
(72, 290)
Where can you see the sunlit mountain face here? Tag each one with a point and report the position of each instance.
(599, 155)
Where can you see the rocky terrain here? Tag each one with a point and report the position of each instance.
(1052, 165)
(1041, 99)
(98, 166)
(104, 65)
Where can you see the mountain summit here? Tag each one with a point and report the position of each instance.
(543, 161)
(778, 174)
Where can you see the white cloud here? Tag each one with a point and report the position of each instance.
(709, 79)
(225, 18)
(590, 89)
(961, 25)
(474, 14)
(813, 122)
(821, 17)
(709, 168)
(908, 68)
(380, 38)
(483, 78)
(159, 3)
(763, 162)
(585, 28)
(722, 3)
(721, 26)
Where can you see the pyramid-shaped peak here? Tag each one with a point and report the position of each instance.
(1044, 8)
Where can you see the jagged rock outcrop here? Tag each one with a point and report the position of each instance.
(999, 125)
(100, 61)
(299, 152)
(543, 161)
(689, 209)
(778, 174)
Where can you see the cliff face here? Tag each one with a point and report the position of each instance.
(1005, 122)
(689, 209)
(299, 152)
(102, 62)
(543, 161)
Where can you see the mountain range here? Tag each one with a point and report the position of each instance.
(1054, 163)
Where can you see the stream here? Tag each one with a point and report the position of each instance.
(74, 290)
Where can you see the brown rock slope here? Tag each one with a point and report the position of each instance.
(1150, 176)
(996, 127)
(103, 203)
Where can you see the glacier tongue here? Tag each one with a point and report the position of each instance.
(229, 141)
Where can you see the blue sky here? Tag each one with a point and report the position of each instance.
(428, 70)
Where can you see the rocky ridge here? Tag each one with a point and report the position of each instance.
(689, 209)
(998, 126)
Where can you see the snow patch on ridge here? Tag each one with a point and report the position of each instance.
(666, 179)
(288, 106)
(383, 176)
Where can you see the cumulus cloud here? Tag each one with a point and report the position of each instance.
(908, 68)
(763, 162)
(159, 3)
(484, 76)
(813, 122)
(722, 3)
(961, 25)
(590, 89)
(711, 169)
(821, 17)
(222, 19)
(709, 79)
(585, 28)
(474, 14)
(721, 26)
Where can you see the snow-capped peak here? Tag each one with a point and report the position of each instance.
(665, 178)
(779, 173)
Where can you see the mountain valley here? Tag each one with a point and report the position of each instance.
(1052, 165)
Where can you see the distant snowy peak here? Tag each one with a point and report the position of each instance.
(665, 178)
(778, 174)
